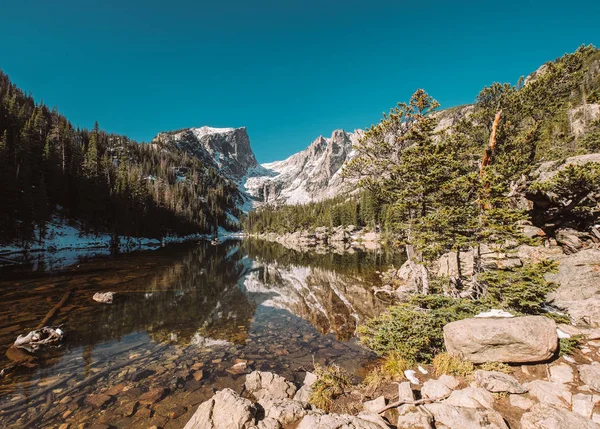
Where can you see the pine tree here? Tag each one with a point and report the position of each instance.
(90, 165)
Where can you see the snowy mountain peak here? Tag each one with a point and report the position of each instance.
(309, 175)
(226, 149)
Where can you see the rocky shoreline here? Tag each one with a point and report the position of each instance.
(340, 238)
(556, 393)
(519, 376)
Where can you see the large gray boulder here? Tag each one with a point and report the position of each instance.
(511, 340)
(544, 416)
(268, 385)
(449, 416)
(225, 410)
(495, 382)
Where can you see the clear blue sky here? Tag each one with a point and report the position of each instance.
(288, 70)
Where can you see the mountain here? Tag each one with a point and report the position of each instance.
(310, 175)
(226, 149)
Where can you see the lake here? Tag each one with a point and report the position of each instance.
(182, 317)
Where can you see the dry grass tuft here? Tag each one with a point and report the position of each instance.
(495, 366)
(444, 363)
(331, 382)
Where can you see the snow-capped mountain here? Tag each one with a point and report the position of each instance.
(226, 149)
(310, 175)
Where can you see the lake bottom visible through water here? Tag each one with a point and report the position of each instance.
(181, 320)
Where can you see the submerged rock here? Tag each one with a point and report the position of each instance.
(104, 297)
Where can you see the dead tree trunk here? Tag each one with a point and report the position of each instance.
(487, 157)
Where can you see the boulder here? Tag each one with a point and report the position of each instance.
(583, 405)
(590, 375)
(544, 416)
(512, 340)
(225, 410)
(336, 421)
(304, 392)
(569, 239)
(561, 373)
(557, 395)
(471, 397)
(104, 297)
(589, 333)
(412, 417)
(521, 401)
(578, 291)
(495, 381)
(405, 392)
(285, 411)
(446, 415)
(374, 405)
(439, 388)
(268, 385)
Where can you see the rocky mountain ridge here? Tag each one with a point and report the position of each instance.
(226, 149)
(309, 175)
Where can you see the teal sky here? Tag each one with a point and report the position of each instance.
(288, 70)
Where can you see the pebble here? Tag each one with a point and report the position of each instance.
(97, 400)
(129, 409)
(115, 390)
(144, 413)
(152, 396)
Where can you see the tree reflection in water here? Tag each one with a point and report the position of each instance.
(242, 299)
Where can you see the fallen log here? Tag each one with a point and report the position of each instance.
(54, 309)
(14, 406)
(417, 402)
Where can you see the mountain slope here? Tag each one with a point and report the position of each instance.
(101, 183)
(226, 149)
(310, 175)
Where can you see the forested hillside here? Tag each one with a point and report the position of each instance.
(421, 173)
(98, 181)
(363, 210)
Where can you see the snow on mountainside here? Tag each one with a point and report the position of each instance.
(226, 149)
(310, 175)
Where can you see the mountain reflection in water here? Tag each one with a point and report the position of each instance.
(276, 308)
